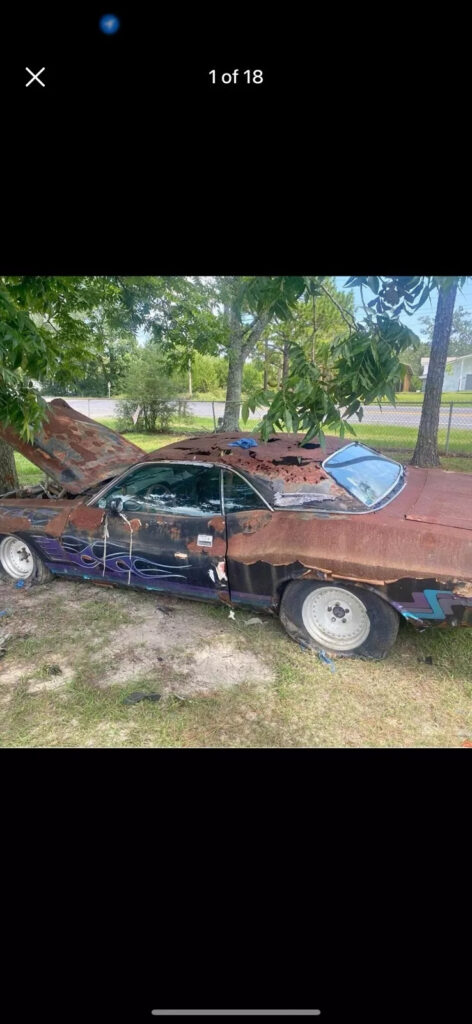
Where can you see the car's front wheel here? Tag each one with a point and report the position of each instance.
(18, 561)
(339, 618)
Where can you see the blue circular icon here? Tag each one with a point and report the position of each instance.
(109, 24)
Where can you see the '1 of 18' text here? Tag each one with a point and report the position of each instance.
(231, 77)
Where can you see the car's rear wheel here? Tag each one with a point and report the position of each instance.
(339, 618)
(18, 561)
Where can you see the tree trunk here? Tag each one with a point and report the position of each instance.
(426, 451)
(8, 474)
(239, 348)
(190, 376)
(234, 385)
(285, 367)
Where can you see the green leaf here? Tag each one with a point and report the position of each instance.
(311, 433)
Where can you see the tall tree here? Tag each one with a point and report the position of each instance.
(397, 295)
(250, 304)
(426, 450)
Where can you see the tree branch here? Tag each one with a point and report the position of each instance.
(352, 326)
(256, 331)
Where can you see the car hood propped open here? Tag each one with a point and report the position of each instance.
(77, 452)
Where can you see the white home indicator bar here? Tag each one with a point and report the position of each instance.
(236, 1013)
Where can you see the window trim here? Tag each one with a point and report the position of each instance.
(229, 469)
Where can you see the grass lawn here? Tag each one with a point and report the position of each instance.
(389, 437)
(222, 683)
(416, 397)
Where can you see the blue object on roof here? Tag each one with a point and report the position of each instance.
(245, 442)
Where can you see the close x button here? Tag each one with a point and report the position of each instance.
(35, 77)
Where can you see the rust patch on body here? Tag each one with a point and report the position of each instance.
(86, 518)
(250, 522)
(464, 590)
(445, 501)
(217, 523)
(36, 515)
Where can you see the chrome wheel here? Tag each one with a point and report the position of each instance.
(16, 558)
(335, 618)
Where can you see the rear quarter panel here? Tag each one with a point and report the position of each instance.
(398, 558)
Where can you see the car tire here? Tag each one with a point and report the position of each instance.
(19, 561)
(339, 618)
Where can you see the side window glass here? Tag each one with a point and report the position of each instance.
(169, 487)
(239, 495)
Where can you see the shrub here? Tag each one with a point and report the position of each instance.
(204, 372)
(253, 378)
(221, 367)
(152, 388)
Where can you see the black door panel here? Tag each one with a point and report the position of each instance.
(162, 530)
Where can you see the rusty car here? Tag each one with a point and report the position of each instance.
(340, 541)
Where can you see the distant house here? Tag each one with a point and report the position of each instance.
(458, 375)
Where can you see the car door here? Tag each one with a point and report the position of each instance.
(162, 530)
(253, 581)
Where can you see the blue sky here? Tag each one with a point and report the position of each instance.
(464, 298)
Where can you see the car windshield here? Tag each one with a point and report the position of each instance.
(368, 476)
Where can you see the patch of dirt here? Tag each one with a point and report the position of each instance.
(216, 666)
(170, 643)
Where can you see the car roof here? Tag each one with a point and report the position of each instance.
(277, 467)
(273, 452)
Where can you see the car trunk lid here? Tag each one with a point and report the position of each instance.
(445, 500)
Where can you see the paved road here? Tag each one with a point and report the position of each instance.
(388, 415)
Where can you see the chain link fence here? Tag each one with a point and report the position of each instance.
(396, 427)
